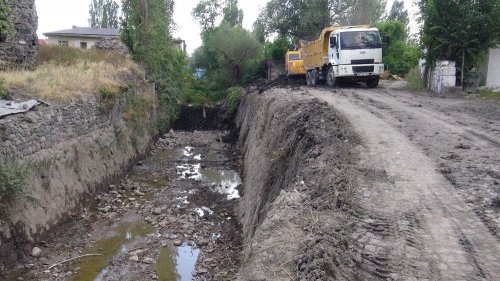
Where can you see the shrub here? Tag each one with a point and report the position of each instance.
(414, 80)
(14, 176)
(233, 97)
(108, 97)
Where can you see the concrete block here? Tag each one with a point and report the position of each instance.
(452, 92)
(448, 81)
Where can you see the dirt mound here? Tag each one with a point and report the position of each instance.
(298, 191)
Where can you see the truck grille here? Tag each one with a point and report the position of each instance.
(362, 61)
(357, 69)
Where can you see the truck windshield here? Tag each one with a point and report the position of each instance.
(294, 57)
(352, 40)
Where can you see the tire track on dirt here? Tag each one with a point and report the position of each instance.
(414, 225)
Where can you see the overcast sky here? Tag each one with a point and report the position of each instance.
(63, 14)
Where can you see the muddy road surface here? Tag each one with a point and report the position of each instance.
(429, 184)
(170, 218)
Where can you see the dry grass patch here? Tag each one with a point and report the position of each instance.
(72, 74)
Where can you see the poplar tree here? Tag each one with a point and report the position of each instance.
(103, 14)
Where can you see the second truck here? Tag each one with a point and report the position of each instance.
(351, 53)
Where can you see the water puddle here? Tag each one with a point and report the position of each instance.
(94, 268)
(178, 264)
(223, 181)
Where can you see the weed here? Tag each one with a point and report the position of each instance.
(414, 80)
(108, 97)
(233, 97)
(14, 176)
(3, 90)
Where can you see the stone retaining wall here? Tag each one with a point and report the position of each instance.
(73, 150)
(19, 49)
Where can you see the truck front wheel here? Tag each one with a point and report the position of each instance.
(372, 82)
(331, 80)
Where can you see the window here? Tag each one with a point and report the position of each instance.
(63, 43)
(352, 40)
(294, 57)
(83, 45)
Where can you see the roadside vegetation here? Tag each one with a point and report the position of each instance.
(64, 74)
(14, 176)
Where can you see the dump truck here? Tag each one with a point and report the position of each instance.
(294, 64)
(351, 53)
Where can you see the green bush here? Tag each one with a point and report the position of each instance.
(14, 176)
(399, 55)
(233, 97)
(414, 80)
(255, 69)
(277, 49)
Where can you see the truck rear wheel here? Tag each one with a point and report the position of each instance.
(372, 82)
(331, 80)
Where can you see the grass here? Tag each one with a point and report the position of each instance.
(488, 94)
(414, 80)
(14, 176)
(3, 90)
(65, 74)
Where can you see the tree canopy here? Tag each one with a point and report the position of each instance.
(304, 19)
(103, 14)
(398, 13)
(210, 12)
(460, 30)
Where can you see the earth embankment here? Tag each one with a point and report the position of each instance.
(298, 194)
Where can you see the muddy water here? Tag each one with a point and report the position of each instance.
(130, 228)
(170, 218)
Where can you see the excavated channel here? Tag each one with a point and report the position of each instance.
(171, 217)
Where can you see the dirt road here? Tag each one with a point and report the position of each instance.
(429, 184)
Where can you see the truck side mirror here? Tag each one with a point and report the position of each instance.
(387, 39)
(333, 42)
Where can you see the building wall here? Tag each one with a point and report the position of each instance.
(493, 78)
(19, 49)
(73, 42)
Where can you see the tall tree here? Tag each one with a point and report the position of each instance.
(367, 11)
(304, 19)
(232, 15)
(103, 14)
(207, 12)
(399, 13)
(460, 30)
(233, 47)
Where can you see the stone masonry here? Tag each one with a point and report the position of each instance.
(19, 49)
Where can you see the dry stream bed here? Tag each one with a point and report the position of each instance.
(169, 218)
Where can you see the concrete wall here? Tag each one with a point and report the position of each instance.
(73, 42)
(493, 73)
(442, 79)
(19, 49)
(73, 150)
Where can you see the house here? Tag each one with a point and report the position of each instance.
(80, 37)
